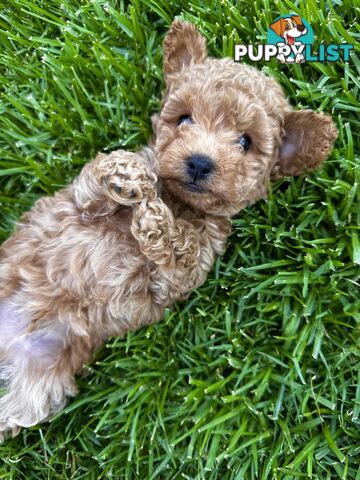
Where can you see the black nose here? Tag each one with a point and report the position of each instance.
(301, 28)
(199, 167)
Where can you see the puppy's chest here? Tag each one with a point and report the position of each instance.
(91, 257)
(112, 253)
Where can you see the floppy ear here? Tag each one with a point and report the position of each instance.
(183, 45)
(297, 19)
(308, 140)
(276, 27)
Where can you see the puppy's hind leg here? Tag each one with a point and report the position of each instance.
(37, 371)
(33, 395)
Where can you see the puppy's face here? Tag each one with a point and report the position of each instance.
(215, 143)
(219, 135)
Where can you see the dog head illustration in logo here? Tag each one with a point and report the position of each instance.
(295, 34)
(290, 29)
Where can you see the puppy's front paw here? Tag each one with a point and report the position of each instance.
(127, 179)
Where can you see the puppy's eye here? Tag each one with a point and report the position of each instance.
(294, 24)
(287, 27)
(245, 141)
(185, 119)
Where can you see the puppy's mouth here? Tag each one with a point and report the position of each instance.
(200, 197)
(190, 192)
(193, 187)
(186, 187)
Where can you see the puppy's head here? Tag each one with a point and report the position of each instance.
(225, 129)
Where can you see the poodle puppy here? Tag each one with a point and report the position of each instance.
(136, 232)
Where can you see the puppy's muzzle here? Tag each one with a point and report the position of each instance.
(199, 167)
(301, 28)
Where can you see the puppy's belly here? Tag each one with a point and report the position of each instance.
(81, 277)
(16, 341)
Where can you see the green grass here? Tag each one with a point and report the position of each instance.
(257, 375)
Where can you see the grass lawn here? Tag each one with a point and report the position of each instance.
(257, 375)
